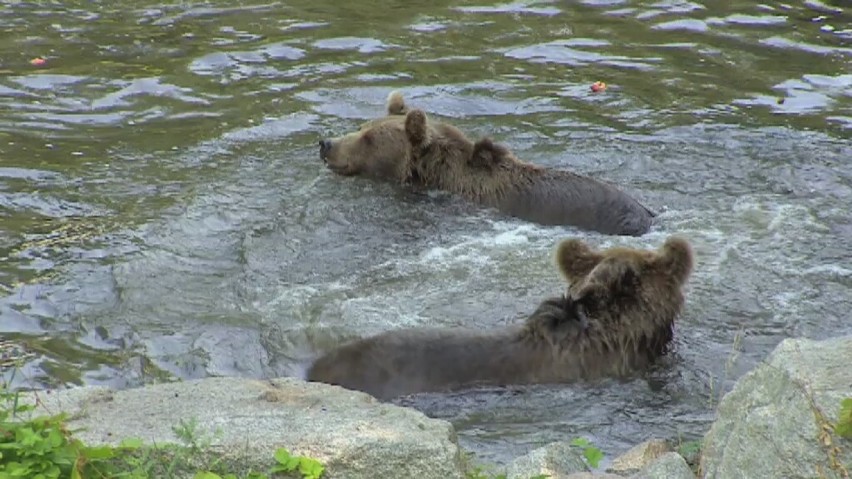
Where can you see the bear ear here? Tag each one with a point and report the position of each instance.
(396, 104)
(416, 128)
(576, 259)
(676, 258)
(484, 153)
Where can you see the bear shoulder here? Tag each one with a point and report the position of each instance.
(487, 154)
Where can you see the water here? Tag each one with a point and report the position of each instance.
(165, 213)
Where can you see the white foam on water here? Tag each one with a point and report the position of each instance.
(475, 249)
(787, 299)
(293, 296)
(832, 270)
(374, 314)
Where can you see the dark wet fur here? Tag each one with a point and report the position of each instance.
(430, 359)
(554, 197)
(561, 197)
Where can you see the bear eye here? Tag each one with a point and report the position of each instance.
(367, 138)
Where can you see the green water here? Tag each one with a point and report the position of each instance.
(164, 213)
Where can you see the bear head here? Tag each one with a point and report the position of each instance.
(630, 296)
(379, 148)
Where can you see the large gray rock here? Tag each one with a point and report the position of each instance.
(351, 433)
(593, 475)
(557, 460)
(776, 422)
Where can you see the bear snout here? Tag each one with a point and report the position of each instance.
(325, 147)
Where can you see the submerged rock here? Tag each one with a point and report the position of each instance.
(777, 421)
(352, 434)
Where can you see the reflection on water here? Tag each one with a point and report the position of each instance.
(165, 214)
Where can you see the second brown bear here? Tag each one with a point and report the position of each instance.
(616, 318)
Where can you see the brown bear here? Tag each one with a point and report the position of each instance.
(616, 319)
(405, 146)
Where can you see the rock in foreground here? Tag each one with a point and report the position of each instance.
(669, 465)
(639, 456)
(351, 433)
(777, 420)
(556, 460)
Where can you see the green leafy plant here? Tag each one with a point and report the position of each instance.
(689, 448)
(479, 472)
(309, 468)
(43, 447)
(591, 454)
(843, 428)
(287, 463)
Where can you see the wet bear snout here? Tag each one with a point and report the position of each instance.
(325, 147)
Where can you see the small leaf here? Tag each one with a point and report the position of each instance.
(282, 455)
(55, 438)
(594, 456)
(274, 469)
(689, 447)
(310, 468)
(843, 428)
(131, 443)
(206, 475)
(580, 442)
(53, 471)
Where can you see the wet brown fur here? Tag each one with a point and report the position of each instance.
(407, 147)
(615, 319)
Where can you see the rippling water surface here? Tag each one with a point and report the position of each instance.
(165, 215)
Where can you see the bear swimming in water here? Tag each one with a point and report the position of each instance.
(615, 319)
(406, 147)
